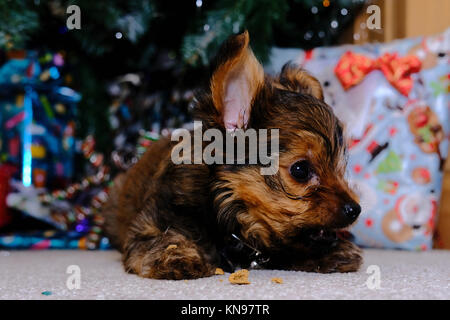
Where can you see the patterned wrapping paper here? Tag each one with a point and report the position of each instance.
(77, 226)
(37, 117)
(35, 105)
(393, 100)
(50, 239)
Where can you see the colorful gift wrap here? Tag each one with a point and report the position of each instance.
(394, 101)
(6, 172)
(37, 115)
(49, 240)
(73, 211)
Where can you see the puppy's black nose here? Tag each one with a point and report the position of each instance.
(351, 210)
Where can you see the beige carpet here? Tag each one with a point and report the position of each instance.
(403, 275)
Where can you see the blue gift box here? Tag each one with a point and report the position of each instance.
(37, 119)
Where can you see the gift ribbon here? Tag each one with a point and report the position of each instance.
(352, 68)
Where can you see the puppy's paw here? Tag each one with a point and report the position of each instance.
(183, 262)
(174, 262)
(347, 257)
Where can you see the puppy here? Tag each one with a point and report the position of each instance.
(181, 221)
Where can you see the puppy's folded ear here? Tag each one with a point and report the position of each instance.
(235, 81)
(294, 78)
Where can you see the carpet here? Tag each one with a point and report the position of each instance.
(43, 275)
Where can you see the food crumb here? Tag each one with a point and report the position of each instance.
(171, 246)
(239, 277)
(221, 280)
(219, 271)
(277, 280)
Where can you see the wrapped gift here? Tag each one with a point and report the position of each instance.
(37, 119)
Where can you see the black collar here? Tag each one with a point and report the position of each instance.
(238, 253)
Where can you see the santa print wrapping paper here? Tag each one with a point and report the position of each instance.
(394, 101)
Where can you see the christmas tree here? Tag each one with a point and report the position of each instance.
(169, 44)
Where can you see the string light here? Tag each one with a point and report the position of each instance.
(344, 11)
(199, 3)
(334, 24)
(314, 10)
(118, 35)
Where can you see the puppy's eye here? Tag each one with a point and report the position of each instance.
(301, 170)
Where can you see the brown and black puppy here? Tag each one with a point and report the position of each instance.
(180, 221)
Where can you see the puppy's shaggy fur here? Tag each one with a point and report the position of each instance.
(290, 218)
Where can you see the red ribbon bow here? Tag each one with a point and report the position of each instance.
(352, 68)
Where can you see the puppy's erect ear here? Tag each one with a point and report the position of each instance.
(296, 79)
(235, 81)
